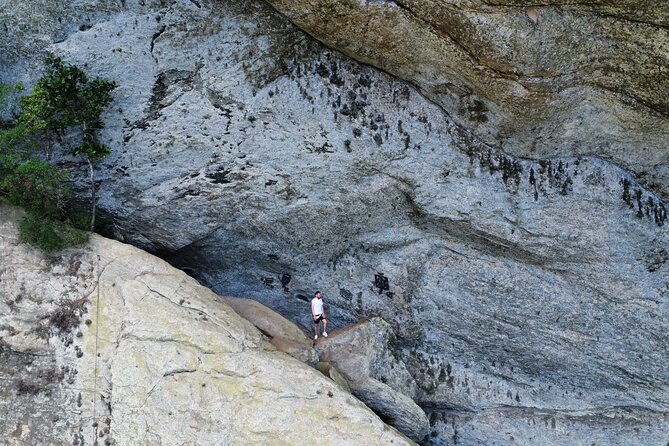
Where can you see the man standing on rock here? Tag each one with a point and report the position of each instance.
(318, 313)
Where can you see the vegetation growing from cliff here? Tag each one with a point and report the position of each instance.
(63, 102)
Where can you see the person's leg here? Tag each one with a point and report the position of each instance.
(315, 330)
(325, 328)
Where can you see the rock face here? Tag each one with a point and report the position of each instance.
(284, 335)
(327, 369)
(364, 356)
(537, 79)
(520, 290)
(107, 344)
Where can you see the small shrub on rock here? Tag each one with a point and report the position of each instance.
(64, 100)
(48, 234)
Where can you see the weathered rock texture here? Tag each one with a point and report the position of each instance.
(327, 369)
(365, 356)
(284, 334)
(537, 79)
(109, 344)
(269, 167)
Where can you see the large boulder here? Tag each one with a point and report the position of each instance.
(297, 350)
(284, 334)
(106, 344)
(267, 320)
(364, 355)
(327, 369)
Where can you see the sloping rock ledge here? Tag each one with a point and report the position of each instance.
(106, 344)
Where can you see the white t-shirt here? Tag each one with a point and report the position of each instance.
(317, 306)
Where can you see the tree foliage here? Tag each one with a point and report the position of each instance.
(15, 141)
(49, 234)
(38, 187)
(63, 100)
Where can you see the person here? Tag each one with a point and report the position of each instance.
(318, 314)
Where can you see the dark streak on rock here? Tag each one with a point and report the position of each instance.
(155, 37)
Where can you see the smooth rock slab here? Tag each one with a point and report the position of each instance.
(268, 321)
(284, 335)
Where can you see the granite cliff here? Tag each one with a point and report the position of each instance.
(505, 212)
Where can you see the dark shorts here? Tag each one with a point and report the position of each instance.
(318, 319)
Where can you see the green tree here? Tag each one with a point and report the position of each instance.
(63, 99)
(49, 234)
(37, 186)
(15, 140)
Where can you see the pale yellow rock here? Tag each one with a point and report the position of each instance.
(161, 360)
(268, 321)
(533, 14)
(327, 369)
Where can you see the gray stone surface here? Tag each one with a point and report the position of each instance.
(364, 354)
(619, 426)
(537, 79)
(244, 152)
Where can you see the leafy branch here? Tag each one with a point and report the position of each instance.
(64, 100)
